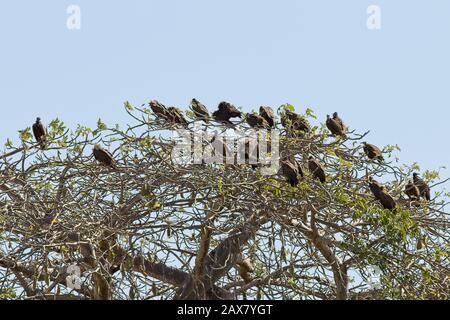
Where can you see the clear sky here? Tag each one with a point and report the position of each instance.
(319, 54)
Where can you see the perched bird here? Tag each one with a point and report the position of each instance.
(159, 110)
(375, 187)
(386, 200)
(257, 121)
(291, 170)
(334, 126)
(412, 191)
(103, 156)
(268, 114)
(292, 121)
(40, 133)
(381, 194)
(424, 189)
(225, 112)
(373, 152)
(176, 117)
(200, 111)
(316, 169)
(339, 120)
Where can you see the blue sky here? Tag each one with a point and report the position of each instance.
(318, 54)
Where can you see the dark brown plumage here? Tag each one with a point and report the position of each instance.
(176, 117)
(381, 194)
(340, 122)
(200, 111)
(103, 156)
(40, 133)
(225, 112)
(424, 189)
(159, 110)
(257, 121)
(316, 169)
(373, 152)
(375, 187)
(268, 114)
(334, 126)
(292, 121)
(291, 170)
(412, 191)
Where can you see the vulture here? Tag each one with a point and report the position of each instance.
(200, 111)
(423, 187)
(103, 156)
(339, 120)
(334, 126)
(412, 191)
(246, 267)
(268, 114)
(316, 169)
(225, 112)
(373, 152)
(375, 187)
(159, 110)
(257, 121)
(293, 121)
(40, 132)
(291, 170)
(176, 117)
(381, 194)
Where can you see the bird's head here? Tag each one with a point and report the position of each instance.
(97, 147)
(38, 120)
(364, 143)
(415, 175)
(328, 117)
(335, 115)
(310, 157)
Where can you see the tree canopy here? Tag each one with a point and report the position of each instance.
(72, 227)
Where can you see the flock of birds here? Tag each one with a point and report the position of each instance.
(295, 125)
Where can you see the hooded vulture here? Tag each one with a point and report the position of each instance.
(373, 152)
(257, 121)
(200, 111)
(334, 126)
(316, 169)
(268, 114)
(159, 110)
(291, 170)
(375, 187)
(225, 112)
(40, 133)
(103, 156)
(339, 120)
(381, 194)
(412, 191)
(424, 189)
(176, 117)
(295, 122)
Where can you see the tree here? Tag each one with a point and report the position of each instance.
(72, 228)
